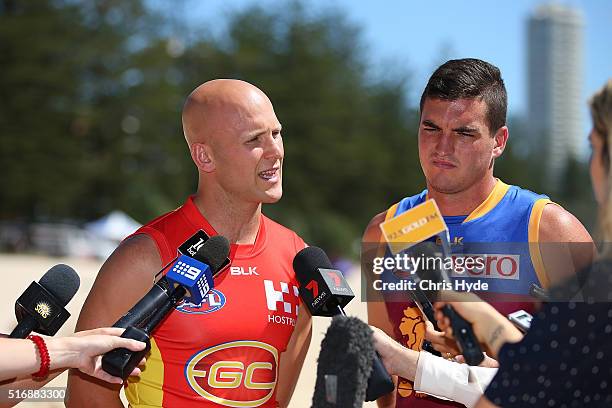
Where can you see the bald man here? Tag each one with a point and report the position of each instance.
(245, 344)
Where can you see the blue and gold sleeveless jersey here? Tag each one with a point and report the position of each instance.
(502, 230)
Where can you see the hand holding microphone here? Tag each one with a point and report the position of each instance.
(325, 292)
(411, 232)
(41, 308)
(489, 326)
(187, 278)
(435, 273)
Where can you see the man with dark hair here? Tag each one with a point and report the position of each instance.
(462, 131)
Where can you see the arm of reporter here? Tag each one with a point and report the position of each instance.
(490, 327)
(434, 375)
(22, 358)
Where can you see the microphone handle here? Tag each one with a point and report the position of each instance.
(120, 362)
(464, 334)
(380, 382)
(163, 311)
(24, 328)
(142, 311)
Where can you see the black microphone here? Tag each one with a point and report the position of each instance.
(344, 364)
(430, 270)
(325, 292)
(158, 295)
(188, 277)
(41, 307)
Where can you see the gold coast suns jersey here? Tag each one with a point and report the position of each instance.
(225, 351)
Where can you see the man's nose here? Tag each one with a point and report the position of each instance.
(273, 147)
(445, 144)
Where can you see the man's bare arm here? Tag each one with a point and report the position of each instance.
(123, 280)
(377, 311)
(292, 359)
(566, 246)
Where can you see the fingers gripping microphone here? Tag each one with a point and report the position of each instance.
(187, 278)
(435, 273)
(344, 364)
(41, 307)
(325, 292)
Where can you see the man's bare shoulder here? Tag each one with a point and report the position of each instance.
(123, 279)
(559, 225)
(372, 232)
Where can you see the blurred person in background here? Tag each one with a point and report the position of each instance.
(245, 345)
(462, 132)
(564, 359)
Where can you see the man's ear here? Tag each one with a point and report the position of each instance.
(501, 138)
(202, 157)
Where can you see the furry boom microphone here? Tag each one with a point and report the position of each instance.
(344, 365)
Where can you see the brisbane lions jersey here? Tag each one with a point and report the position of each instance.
(499, 231)
(225, 351)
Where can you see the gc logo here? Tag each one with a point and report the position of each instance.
(235, 374)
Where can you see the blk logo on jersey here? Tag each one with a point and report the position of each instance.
(236, 374)
(283, 301)
(243, 271)
(213, 301)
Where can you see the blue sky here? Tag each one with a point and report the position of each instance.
(419, 33)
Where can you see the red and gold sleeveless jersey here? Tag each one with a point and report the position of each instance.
(225, 351)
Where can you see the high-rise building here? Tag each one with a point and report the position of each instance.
(555, 55)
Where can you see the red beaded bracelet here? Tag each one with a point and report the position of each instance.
(45, 360)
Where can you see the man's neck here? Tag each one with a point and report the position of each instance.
(237, 221)
(463, 202)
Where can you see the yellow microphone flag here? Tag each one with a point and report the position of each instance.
(413, 226)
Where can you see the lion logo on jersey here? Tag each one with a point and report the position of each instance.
(412, 328)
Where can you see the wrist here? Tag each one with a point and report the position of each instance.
(500, 333)
(62, 352)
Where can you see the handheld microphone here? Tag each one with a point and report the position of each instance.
(41, 307)
(462, 329)
(325, 292)
(344, 364)
(187, 277)
(159, 294)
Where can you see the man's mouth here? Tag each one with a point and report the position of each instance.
(270, 174)
(443, 164)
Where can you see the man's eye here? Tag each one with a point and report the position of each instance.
(429, 129)
(252, 140)
(466, 134)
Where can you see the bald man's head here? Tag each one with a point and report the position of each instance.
(235, 141)
(219, 106)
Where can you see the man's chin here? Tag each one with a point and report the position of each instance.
(272, 197)
(445, 186)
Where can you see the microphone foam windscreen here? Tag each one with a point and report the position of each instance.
(344, 364)
(62, 282)
(308, 260)
(214, 252)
